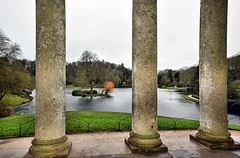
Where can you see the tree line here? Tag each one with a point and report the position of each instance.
(189, 77)
(184, 77)
(91, 72)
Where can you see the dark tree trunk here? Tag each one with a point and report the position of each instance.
(91, 88)
(2, 95)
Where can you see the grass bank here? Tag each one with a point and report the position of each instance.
(11, 100)
(178, 88)
(87, 121)
(192, 99)
(71, 86)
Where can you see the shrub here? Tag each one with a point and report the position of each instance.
(30, 98)
(196, 90)
(190, 89)
(232, 93)
(236, 84)
(87, 91)
(4, 111)
(178, 84)
(108, 86)
(125, 86)
(76, 92)
(168, 84)
(26, 91)
(23, 95)
(83, 93)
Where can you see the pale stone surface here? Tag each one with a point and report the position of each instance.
(101, 144)
(50, 70)
(144, 74)
(50, 139)
(213, 71)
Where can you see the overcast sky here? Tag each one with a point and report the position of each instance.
(105, 27)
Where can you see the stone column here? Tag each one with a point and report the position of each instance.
(50, 139)
(144, 135)
(213, 74)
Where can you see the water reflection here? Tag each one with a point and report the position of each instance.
(119, 102)
(170, 103)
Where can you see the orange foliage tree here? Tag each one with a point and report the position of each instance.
(108, 86)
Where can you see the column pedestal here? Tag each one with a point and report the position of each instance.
(216, 145)
(57, 148)
(145, 144)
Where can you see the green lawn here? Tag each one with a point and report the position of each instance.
(87, 121)
(11, 100)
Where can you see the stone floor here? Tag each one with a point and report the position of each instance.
(111, 144)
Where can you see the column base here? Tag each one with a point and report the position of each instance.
(145, 143)
(57, 148)
(216, 145)
(137, 150)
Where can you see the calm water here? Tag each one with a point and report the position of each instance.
(170, 103)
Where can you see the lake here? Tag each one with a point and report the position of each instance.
(170, 103)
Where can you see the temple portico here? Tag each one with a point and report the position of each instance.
(50, 139)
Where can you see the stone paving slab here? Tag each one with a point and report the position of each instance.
(190, 153)
(111, 144)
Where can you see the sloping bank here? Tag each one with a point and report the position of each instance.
(233, 105)
(10, 100)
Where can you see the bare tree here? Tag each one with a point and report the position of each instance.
(88, 68)
(9, 51)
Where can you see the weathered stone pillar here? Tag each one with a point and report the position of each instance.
(144, 135)
(213, 75)
(50, 139)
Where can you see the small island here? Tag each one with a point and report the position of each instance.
(86, 93)
(108, 87)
